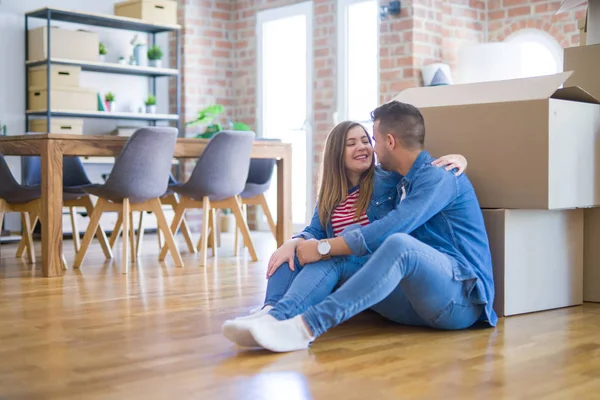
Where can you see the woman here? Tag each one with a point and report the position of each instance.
(353, 190)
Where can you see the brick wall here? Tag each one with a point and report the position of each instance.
(508, 16)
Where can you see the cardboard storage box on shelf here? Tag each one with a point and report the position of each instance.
(537, 259)
(60, 75)
(64, 43)
(57, 125)
(161, 12)
(584, 61)
(591, 255)
(529, 144)
(592, 35)
(63, 99)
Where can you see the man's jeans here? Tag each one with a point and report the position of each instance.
(405, 280)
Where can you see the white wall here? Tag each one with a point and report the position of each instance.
(130, 91)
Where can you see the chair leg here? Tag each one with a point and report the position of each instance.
(164, 227)
(100, 234)
(265, 207)
(187, 235)
(236, 240)
(204, 238)
(27, 234)
(215, 245)
(75, 229)
(179, 215)
(132, 247)
(241, 222)
(125, 249)
(23, 242)
(89, 232)
(116, 231)
(140, 234)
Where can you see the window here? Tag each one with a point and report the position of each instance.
(541, 54)
(358, 60)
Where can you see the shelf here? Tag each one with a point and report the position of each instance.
(112, 68)
(103, 20)
(106, 115)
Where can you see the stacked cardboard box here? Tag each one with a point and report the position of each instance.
(534, 160)
(584, 61)
(65, 91)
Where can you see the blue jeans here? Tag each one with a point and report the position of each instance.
(405, 280)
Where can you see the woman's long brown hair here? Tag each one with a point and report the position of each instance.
(334, 182)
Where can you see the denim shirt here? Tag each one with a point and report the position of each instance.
(441, 210)
(383, 200)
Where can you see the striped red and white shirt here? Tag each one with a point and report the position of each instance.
(343, 215)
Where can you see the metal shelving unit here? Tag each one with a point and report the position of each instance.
(105, 21)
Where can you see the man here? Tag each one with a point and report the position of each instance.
(426, 263)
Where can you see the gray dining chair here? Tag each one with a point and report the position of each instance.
(215, 183)
(137, 181)
(74, 180)
(259, 181)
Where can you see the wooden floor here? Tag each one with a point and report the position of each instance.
(155, 334)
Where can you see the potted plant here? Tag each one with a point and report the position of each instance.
(109, 98)
(207, 116)
(122, 61)
(154, 56)
(102, 51)
(150, 104)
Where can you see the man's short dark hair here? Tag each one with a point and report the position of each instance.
(404, 121)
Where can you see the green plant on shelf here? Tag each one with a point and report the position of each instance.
(109, 97)
(150, 101)
(102, 50)
(155, 53)
(209, 117)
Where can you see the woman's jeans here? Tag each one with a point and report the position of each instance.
(405, 280)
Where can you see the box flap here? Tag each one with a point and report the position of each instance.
(537, 88)
(575, 93)
(566, 5)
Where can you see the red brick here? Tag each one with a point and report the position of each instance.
(519, 11)
(321, 9)
(497, 15)
(223, 44)
(511, 3)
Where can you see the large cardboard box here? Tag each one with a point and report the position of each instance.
(537, 258)
(584, 61)
(63, 99)
(64, 43)
(60, 75)
(161, 12)
(529, 144)
(591, 257)
(58, 125)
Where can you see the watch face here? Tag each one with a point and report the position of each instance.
(324, 247)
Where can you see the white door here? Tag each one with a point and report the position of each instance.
(284, 94)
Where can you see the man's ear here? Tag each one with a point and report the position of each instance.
(390, 140)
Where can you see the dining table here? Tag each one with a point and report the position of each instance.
(52, 147)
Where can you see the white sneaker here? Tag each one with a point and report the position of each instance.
(256, 313)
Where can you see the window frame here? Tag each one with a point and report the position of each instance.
(342, 60)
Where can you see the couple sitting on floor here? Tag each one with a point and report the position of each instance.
(405, 239)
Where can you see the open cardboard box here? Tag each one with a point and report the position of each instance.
(592, 26)
(530, 144)
(584, 61)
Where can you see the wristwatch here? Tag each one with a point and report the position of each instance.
(324, 248)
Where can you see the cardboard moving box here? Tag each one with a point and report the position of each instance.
(529, 144)
(591, 257)
(537, 258)
(584, 61)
